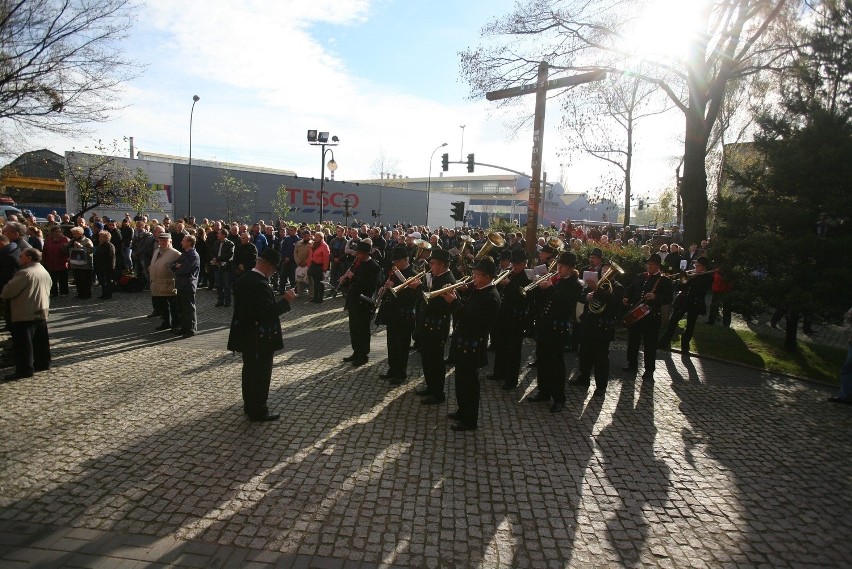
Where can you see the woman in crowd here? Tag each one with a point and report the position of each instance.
(35, 237)
(80, 250)
(104, 263)
(55, 260)
(319, 257)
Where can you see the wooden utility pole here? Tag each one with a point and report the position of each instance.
(542, 85)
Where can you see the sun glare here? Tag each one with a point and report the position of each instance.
(663, 30)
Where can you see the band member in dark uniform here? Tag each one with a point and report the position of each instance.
(400, 314)
(474, 318)
(692, 301)
(655, 290)
(508, 332)
(433, 328)
(595, 265)
(256, 332)
(362, 278)
(556, 307)
(597, 325)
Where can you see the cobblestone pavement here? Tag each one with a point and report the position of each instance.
(132, 451)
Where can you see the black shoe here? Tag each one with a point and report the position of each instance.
(350, 358)
(579, 382)
(16, 377)
(463, 427)
(421, 391)
(557, 407)
(152, 315)
(265, 418)
(809, 331)
(453, 415)
(177, 331)
(432, 400)
(532, 364)
(188, 334)
(538, 398)
(359, 362)
(648, 376)
(839, 400)
(163, 327)
(599, 393)
(508, 386)
(39, 369)
(399, 380)
(387, 375)
(227, 305)
(219, 304)
(632, 368)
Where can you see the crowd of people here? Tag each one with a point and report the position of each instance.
(466, 289)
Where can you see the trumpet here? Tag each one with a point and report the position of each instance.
(395, 290)
(494, 240)
(537, 282)
(503, 274)
(427, 296)
(605, 284)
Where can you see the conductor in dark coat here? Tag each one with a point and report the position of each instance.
(364, 278)
(256, 332)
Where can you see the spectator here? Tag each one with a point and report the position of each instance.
(80, 249)
(104, 260)
(163, 291)
(318, 262)
(845, 394)
(35, 237)
(55, 260)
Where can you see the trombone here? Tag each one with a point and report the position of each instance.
(395, 290)
(537, 282)
(427, 296)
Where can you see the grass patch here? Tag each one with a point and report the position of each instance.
(814, 361)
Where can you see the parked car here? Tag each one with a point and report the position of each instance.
(7, 210)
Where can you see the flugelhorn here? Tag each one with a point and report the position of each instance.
(427, 296)
(537, 282)
(503, 274)
(494, 240)
(395, 290)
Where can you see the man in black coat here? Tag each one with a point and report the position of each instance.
(186, 269)
(508, 333)
(654, 290)
(474, 318)
(245, 255)
(362, 278)
(399, 309)
(256, 333)
(223, 258)
(692, 301)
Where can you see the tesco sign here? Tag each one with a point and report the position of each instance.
(310, 198)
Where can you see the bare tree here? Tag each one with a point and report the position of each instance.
(60, 62)
(602, 124)
(384, 165)
(732, 39)
(103, 179)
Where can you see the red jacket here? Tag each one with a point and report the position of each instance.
(719, 284)
(55, 253)
(319, 255)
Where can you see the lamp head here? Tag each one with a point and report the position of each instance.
(322, 137)
(335, 139)
(195, 98)
(312, 136)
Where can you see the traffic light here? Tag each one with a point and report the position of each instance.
(641, 204)
(458, 211)
(445, 162)
(470, 162)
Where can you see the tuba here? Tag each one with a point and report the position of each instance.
(494, 240)
(558, 246)
(605, 284)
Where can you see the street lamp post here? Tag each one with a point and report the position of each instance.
(195, 99)
(317, 138)
(429, 181)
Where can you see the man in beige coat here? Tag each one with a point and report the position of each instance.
(163, 290)
(28, 293)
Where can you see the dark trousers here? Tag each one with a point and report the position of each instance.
(434, 367)
(167, 307)
(31, 346)
(467, 391)
(186, 301)
(399, 340)
(105, 278)
(594, 354)
(720, 299)
(359, 331)
(59, 282)
(315, 272)
(288, 274)
(224, 284)
(507, 354)
(256, 376)
(646, 333)
(83, 282)
(550, 348)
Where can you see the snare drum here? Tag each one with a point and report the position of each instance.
(636, 314)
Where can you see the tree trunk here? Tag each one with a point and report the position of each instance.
(694, 185)
(791, 331)
(628, 187)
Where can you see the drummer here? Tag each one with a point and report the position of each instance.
(647, 293)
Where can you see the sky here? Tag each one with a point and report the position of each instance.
(382, 75)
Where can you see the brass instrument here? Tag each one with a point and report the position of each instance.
(395, 290)
(503, 274)
(422, 245)
(595, 305)
(427, 296)
(537, 282)
(558, 246)
(467, 241)
(494, 240)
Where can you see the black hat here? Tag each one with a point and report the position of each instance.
(519, 256)
(703, 261)
(567, 259)
(363, 247)
(596, 253)
(399, 253)
(271, 256)
(486, 265)
(507, 255)
(548, 249)
(655, 258)
(440, 255)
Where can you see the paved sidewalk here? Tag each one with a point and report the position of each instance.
(132, 451)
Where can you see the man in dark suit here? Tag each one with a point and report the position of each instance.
(691, 302)
(223, 257)
(655, 290)
(400, 311)
(508, 333)
(363, 278)
(186, 270)
(256, 332)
